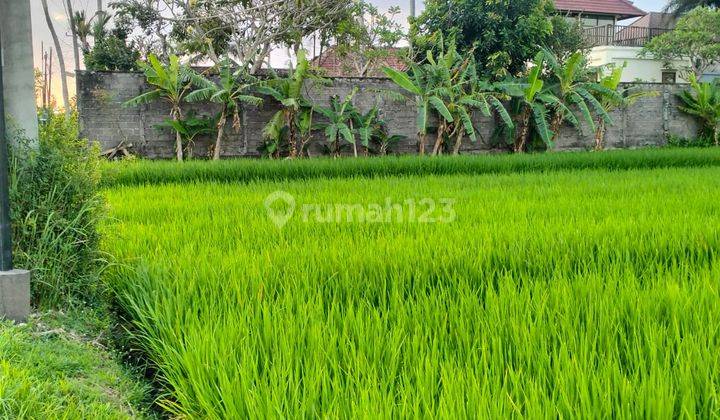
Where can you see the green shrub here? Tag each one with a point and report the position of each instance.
(682, 142)
(56, 208)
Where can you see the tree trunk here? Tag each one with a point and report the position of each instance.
(73, 33)
(221, 131)
(61, 59)
(521, 138)
(421, 143)
(458, 142)
(99, 5)
(555, 126)
(717, 135)
(600, 135)
(440, 139)
(176, 115)
(290, 121)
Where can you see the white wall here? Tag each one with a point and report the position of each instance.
(638, 69)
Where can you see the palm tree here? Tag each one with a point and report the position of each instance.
(171, 82)
(683, 6)
(288, 91)
(231, 92)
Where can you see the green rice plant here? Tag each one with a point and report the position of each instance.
(245, 170)
(563, 293)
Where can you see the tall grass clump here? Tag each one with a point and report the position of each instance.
(149, 172)
(583, 293)
(56, 209)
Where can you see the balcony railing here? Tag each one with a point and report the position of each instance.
(624, 36)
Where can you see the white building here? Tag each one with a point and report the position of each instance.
(622, 44)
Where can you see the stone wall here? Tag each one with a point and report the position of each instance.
(103, 118)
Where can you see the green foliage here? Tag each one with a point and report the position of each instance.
(703, 102)
(448, 84)
(684, 6)
(695, 41)
(111, 52)
(366, 38)
(542, 291)
(190, 127)
(683, 142)
(56, 209)
(339, 125)
(57, 366)
(503, 35)
(170, 82)
(289, 91)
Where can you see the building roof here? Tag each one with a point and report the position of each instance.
(656, 20)
(623, 9)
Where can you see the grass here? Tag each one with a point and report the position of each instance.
(572, 293)
(57, 367)
(244, 170)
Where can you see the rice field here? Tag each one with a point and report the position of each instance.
(547, 293)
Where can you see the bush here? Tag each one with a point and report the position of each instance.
(682, 142)
(56, 208)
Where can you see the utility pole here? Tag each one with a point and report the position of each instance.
(412, 9)
(14, 284)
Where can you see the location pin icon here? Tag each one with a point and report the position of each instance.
(280, 207)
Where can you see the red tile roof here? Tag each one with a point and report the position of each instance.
(333, 65)
(623, 9)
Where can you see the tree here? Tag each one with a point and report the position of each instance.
(571, 85)
(683, 6)
(505, 34)
(703, 102)
(244, 30)
(231, 92)
(533, 101)
(171, 83)
(340, 122)
(426, 95)
(289, 92)
(366, 37)
(695, 41)
(60, 58)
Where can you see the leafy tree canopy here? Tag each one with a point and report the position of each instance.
(696, 40)
(506, 34)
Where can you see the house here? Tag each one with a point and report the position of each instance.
(594, 13)
(614, 43)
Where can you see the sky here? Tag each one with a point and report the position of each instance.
(41, 34)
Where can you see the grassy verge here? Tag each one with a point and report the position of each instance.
(245, 170)
(58, 366)
(586, 293)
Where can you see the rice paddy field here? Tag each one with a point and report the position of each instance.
(540, 290)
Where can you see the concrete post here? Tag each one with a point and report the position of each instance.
(17, 59)
(15, 295)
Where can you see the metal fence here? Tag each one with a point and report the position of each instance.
(625, 36)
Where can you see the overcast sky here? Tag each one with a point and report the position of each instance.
(41, 35)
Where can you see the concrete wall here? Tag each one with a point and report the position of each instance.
(638, 69)
(103, 119)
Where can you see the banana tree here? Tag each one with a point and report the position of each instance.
(533, 101)
(190, 127)
(368, 126)
(703, 102)
(170, 83)
(288, 91)
(427, 97)
(231, 92)
(573, 88)
(340, 122)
